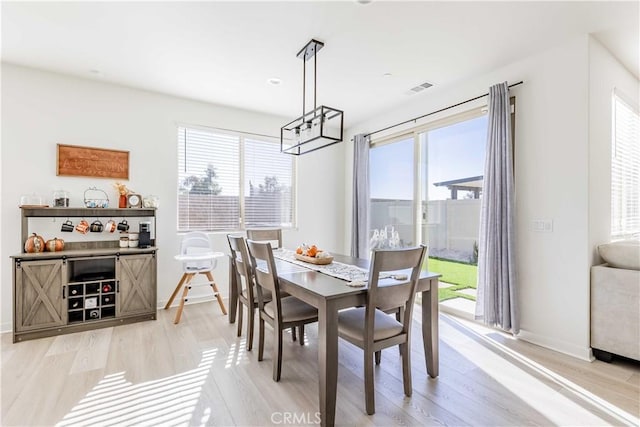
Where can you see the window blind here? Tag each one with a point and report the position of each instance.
(269, 178)
(228, 181)
(625, 169)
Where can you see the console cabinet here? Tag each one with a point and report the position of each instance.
(91, 285)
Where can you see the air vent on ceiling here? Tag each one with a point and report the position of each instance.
(419, 88)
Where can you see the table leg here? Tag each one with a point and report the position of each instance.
(328, 361)
(430, 327)
(233, 293)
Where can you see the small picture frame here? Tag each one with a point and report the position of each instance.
(134, 200)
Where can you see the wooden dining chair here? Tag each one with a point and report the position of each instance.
(273, 236)
(282, 312)
(246, 287)
(370, 328)
(266, 235)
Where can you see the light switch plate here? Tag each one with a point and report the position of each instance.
(543, 225)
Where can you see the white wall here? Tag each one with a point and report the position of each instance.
(41, 109)
(552, 182)
(605, 74)
(562, 152)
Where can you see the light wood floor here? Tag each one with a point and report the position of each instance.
(198, 373)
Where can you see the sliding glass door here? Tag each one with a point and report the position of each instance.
(425, 188)
(453, 162)
(391, 178)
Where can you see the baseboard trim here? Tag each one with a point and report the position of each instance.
(6, 327)
(583, 353)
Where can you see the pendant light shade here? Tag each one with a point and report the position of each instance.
(315, 129)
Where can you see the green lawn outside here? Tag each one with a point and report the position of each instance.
(459, 275)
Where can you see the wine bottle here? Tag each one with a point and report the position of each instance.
(106, 288)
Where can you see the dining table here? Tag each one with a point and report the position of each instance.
(329, 295)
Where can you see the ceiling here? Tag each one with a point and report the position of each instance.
(224, 52)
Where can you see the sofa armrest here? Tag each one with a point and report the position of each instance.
(615, 310)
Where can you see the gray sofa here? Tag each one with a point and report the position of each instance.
(615, 302)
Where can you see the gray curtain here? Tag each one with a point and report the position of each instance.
(496, 303)
(360, 211)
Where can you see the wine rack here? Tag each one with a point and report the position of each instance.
(91, 300)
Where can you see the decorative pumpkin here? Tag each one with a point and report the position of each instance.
(54, 245)
(34, 244)
(312, 251)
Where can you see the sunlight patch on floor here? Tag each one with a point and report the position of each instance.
(547, 400)
(116, 401)
(237, 354)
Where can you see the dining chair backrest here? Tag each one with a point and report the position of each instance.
(272, 235)
(265, 273)
(387, 297)
(241, 264)
(196, 243)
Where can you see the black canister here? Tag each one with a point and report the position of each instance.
(60, 199)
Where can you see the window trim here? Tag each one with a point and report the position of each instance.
(416, 131)
(434, 124)
(241, 135)
(618, 96)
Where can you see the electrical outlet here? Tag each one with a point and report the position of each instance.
(543, 225)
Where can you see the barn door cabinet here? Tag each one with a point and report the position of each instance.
(88, 285)
(136, 276)
(38, 294)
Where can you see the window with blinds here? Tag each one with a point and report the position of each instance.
(625, 169)
(230, 181)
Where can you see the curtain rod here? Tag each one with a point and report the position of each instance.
(434, 112)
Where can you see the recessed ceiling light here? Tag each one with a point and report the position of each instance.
(274, 81)
(96, 72)
(364, 1)
(386, 75)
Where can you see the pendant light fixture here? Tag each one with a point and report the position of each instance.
(315, 129)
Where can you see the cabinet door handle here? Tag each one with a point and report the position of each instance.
(118, 286)
(64, 287)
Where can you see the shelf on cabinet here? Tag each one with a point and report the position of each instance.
(87, 212)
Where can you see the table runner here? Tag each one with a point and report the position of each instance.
(336, 269)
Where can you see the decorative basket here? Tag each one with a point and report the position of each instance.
(314, 260)
(95, 198)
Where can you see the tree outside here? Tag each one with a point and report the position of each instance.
(206, 184)
(270, 186)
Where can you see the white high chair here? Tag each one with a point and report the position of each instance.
(197, 257)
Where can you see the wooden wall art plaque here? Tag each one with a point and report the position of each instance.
(74, 160)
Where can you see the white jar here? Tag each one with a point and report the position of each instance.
(150, 201)
(124, 242)
(133, 243)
